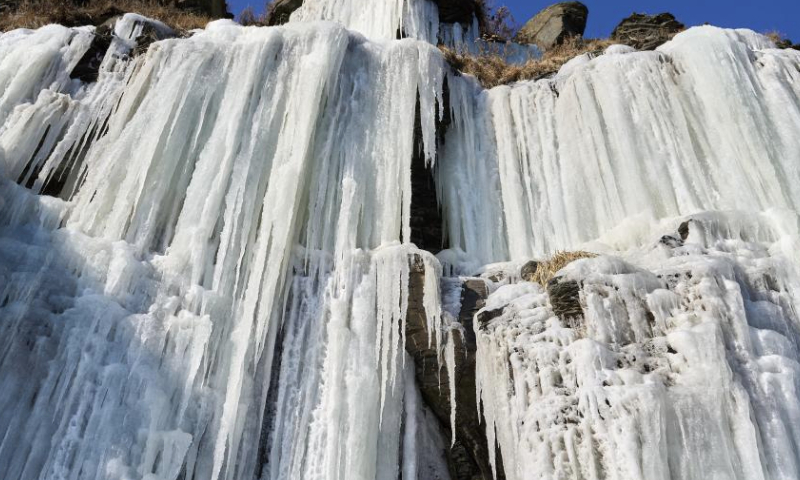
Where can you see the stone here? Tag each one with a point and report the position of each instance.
(457, 11)
(683, 230)
(88, 67)
(565, 300)
(553, 25)
(468, 458)
(647, 32)
(280, 11)
(212, 8)
(528, 270)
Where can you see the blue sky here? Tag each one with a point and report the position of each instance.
(760, 15)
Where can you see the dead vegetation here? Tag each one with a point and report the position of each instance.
(37, 13)
(547, 269)
(249, 17)
(491, 69)
(781, 41)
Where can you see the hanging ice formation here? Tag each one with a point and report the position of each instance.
(204, 255)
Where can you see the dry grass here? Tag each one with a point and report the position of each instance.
(546, 270)
(780, 39)
(492, 70)
(37, 13)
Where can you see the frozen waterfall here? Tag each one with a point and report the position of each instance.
(205, 255)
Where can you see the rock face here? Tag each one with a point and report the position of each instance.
(456, 11)
(554, 24)
(528, 270)
(88, 67)
(213, 8)
(565, 300)
(647, 32)
(468, 457)
(280, 10)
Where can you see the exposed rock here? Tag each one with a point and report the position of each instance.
(683, 230)
(88, 67)
(528, 270)
(280, 11)
(554, 24)
(213, 8)
(671, 241)
(565, 300)
(151, 33)
(468, 458)
(647, 32)
(456, 11)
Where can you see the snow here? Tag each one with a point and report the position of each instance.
(220, 289)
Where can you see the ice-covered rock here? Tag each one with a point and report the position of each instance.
(680, 366)
(204, 255)
(554, 24)
(646, 32)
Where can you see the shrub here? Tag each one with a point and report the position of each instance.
(37, 13)
(547, 269)
(780, 40)
(249, 17)
(497, 23)
(491, 69)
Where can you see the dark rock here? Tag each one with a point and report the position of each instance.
(647, 32)
(553, 25)
(487, 316)
(88, 67)
(281, 10)
(426, 217)
(528, 270)
(683, 230)
(565, 300)
(151, 34)
(213, 8)
(457, 11)
(671, 241)
(469, 457)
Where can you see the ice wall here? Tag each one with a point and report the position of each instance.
(706, 122)
(683, 365)
(240, 181)
(382, 20)
(219, 290)
(683, 362)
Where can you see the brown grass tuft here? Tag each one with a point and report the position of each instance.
(547, 269)
(779, 39)
(492, 70)
(37, 13)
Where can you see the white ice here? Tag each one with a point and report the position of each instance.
(220, 290)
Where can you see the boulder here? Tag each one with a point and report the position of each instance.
(554, 24)
(280, 11)
(647, 32)
(528, 270)
(212, 8)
